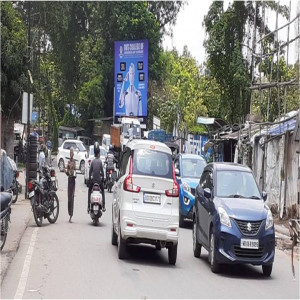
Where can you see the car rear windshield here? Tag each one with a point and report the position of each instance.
(192, 167)
(152, 163)
(236, 184)
(80, 147)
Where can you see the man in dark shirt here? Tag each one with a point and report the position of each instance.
(96, 175)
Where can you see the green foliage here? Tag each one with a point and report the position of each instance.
(13, 63)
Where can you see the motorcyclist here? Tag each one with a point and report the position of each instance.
(96, 175)
(110, 160)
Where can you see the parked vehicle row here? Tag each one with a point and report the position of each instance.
(6, 200)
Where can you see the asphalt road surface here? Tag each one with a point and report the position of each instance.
(77, 260)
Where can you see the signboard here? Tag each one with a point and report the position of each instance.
(131, 78)
(156, 122)
(25, 108)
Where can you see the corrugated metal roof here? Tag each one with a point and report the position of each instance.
(282, 127)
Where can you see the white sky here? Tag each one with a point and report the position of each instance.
(189, 30)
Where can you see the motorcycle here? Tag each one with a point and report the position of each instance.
(6, 202)
(43, 198)
(110, 178)
(16, 187)
(96, 204)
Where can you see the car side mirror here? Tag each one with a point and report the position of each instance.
(207, 193)
(264, 195)
(177, 173)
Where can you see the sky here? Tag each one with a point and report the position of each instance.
(189, 30)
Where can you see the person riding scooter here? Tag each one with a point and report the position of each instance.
(96, 175)
(110, 160)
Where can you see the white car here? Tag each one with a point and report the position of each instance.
(88, 161)
(145, 205)
(63, 154)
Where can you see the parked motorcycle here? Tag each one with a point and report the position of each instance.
(42, 195)
(16, 187)
(6, 201)
(96, 204)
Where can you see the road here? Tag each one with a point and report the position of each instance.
(77, 260)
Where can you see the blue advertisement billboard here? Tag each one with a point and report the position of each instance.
(131, 78)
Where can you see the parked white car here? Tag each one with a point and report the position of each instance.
(88, 161)
(145, 205)
(63, 154)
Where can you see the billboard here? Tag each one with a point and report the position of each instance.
(131, 78)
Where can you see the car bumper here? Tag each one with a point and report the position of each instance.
(229, 250)
(186, 204)
(149, 229)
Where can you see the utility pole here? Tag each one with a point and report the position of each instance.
(28, 99)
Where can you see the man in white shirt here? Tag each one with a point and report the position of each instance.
(42, 158)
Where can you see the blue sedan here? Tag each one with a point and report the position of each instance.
(188, 169)
(231, 219)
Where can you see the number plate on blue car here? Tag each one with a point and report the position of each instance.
(249, 244)
(151, 198)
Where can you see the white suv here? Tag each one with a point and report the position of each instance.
(63, 154)
(145, 205)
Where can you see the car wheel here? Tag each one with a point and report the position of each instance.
(181, 220)
(114, 237)
(267, 270)
(121, 245)
(61, 165)
(215, 267)
(172, 254)
(82, 167)
(196, 245)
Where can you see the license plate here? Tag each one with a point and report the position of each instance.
(53, 178)
(249, 244)
(31, 194)
(150, 198)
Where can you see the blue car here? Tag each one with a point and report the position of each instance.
(188, 170)
(231, 219)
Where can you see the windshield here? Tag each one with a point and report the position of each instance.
(236, 184)
(152, 163)
(192, 167)
(102, 152)
(80, 147)
(133, 130)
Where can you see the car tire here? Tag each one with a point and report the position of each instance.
(172, 254)
(196, 245)
(267, 270)
(82, 167)
(114, 236)
(122, 251)
(214, 265)
(61, 165)
(181, 220)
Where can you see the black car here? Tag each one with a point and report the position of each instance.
(231, 219)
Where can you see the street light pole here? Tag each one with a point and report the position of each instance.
(28, 100)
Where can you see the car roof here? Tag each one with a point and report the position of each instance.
(190, 155)
(147, 144)
(228, 166)
(101, 147)
(73, 141)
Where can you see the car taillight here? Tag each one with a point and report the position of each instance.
(174, 192)
(30, 186)
(128, 184)
(110, 171)
(90, 161)
(52, 173)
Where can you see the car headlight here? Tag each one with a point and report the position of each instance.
(224, 218)
(186, 187)
(269, 220)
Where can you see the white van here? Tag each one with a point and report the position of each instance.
(146, 199)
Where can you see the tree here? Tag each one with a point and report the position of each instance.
(13, 60)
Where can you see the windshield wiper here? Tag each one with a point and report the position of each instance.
(255, 197)
(235, 196)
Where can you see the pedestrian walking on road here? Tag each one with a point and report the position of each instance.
(71, 173)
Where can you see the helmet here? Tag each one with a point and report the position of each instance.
(96, 148)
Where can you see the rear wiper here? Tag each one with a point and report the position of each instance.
(235, 196)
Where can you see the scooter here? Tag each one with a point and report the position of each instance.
(6, 201)
(16, 187)
(96, 204)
